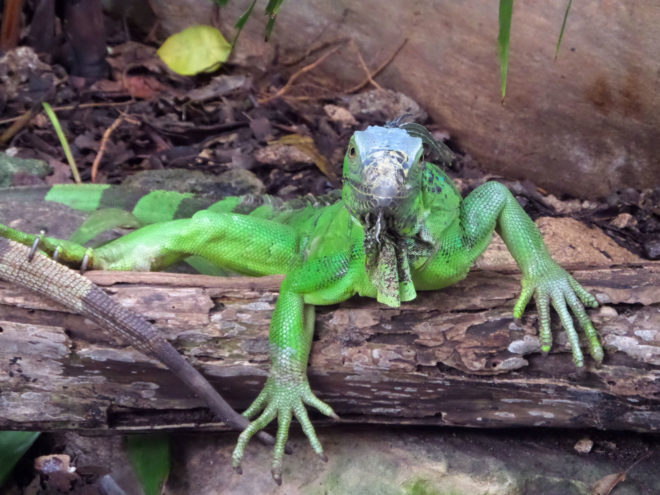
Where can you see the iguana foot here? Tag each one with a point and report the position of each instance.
(66, 252)
(282, 399)
(557, 287)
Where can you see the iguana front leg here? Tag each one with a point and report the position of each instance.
(287, 389)
(324, 280)
(493, 206)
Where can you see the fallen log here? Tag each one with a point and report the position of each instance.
(451, 357)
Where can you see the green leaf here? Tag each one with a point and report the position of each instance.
(272, 9)
(563, 27)
(240, 23)
(506, 12)
(195, 49)
(13, 444)
(150, 456)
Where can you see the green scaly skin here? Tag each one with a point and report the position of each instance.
(399, 226)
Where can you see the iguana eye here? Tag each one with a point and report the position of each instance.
(351, 152)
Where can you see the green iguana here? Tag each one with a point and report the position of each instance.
(398, 226)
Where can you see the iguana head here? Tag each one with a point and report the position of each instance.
(383, 178)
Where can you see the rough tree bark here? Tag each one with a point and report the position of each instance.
(452, 357)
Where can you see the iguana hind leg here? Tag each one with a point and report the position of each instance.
(252, 246)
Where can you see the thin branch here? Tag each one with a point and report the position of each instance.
(378, 70)
(282, 91)
(364, 65)
(19, 122)
(74, 107)
(104, 142)
(314, 49)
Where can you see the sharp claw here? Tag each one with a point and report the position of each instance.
(35, 244)
(288, 450)
(335, 416)
(56, 253)
(238, 469)
(323, 457)
(598, 356)
(277, 475)
(580, 371)
(85, 262)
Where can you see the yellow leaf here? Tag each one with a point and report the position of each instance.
(195, 49)
(307, 146)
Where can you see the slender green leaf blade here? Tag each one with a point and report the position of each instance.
(240, 23)
(563, 27)
(506, 13)
(63, 141)
(13, 445)
(272, 9)
(150, 456)
(270, 26)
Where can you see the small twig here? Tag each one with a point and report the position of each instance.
(378, 70)
(65, 108)
(364, 65)
(644, 457)
(104, 142)
(314, 49)
(282, 91)
(20, 122)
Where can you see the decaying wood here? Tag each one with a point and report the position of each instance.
(452, 357)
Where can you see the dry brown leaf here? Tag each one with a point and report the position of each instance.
(145, 87)
(340, 115)
(605, 485)
(307, 146)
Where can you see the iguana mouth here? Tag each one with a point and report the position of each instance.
(358, 187)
